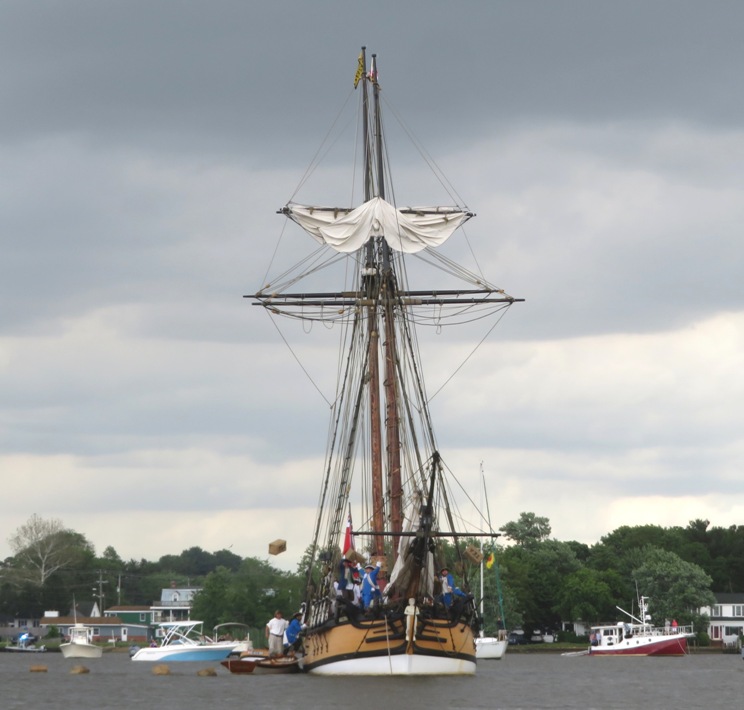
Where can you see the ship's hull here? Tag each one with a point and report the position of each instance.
(645, 646)
(382, 647)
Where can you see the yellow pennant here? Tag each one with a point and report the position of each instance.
(360, 70)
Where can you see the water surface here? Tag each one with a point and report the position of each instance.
(519, 681)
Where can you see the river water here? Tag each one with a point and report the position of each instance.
(518, 681)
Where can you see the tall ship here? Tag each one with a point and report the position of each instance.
(388, 588)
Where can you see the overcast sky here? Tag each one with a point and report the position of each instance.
(146, 147)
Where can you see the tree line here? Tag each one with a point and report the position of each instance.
(532, 581)
(547, 581)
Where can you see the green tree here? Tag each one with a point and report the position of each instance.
(216, 599)
(677, 589)
(725, 548)
(586, 596)
(535, 574)
(249, 596)
(227, 559)
(110, 559)
(615, 546)
(552, 563)
(530, 529)
(198, 563)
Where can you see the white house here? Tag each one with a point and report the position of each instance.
(174, 604)
(726, 618)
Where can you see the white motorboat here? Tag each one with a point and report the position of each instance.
(184, 641)
(26, 643)
(489, 647)
(81, 643)
(237, 632)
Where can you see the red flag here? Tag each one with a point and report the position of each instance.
(349, 537)
(372, 74)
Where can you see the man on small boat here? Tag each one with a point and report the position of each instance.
(275, 634)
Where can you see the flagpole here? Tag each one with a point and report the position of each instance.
(483, 492)
(348, 535)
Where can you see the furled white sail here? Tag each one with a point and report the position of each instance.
(408, 231)
(400, 576)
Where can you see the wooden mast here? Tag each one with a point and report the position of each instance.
(372, 286)
(388, 297)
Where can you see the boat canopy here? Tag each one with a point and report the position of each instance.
(407, 230)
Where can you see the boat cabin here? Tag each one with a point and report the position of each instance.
(610, 635)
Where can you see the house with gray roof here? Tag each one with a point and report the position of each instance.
(726, 618)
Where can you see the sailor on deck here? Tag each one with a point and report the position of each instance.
(370, 588)
(346, 579)
(292, 634)
(449, 590)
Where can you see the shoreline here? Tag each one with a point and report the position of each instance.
(558, 648)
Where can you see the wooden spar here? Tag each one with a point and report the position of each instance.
(378, 130)
(392, 421)
(431, 534)
(372, 284)
(351, 300)
(431, 293)
(365, 131)
(388, 296)
(378, 504)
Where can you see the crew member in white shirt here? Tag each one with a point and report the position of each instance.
(275, 634)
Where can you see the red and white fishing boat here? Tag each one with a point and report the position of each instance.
(639, 637)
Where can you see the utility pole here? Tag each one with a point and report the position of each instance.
(101, 582)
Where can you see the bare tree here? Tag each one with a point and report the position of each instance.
(40, 548)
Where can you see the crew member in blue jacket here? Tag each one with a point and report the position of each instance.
(370, 588)
(292, 633)
(449, 590)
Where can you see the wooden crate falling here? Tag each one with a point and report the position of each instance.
(277, 546)
(473, 554)
(354, 556)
